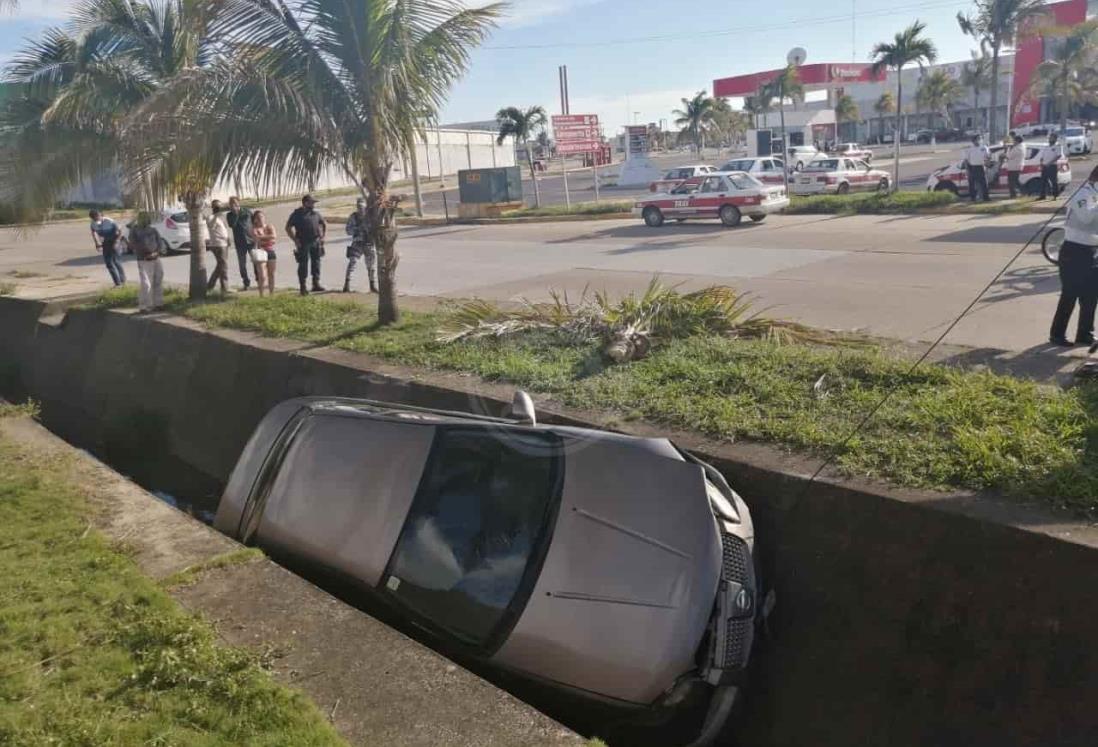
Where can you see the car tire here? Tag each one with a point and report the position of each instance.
(758, 218)
(945, 187)
(730, 215)
(883, 186)
(653, 217)
(843, 189)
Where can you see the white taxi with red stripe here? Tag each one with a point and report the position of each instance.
(954, 177)
(840, 176)
(767, 170)
(727, 196)
(677, 176)
(852, 150)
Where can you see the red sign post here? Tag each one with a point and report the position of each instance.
(577, 134)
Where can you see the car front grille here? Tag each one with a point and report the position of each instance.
(736, 558)
(735, 642)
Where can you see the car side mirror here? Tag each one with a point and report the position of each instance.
(522, 408)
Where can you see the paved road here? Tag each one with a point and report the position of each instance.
(897, 276)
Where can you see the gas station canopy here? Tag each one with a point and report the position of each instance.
(814, 77)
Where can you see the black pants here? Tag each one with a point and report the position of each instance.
(242, 259)
(1078, 285)
(310, 252)
(1050, 184)
(977, 183)
(1015, 183)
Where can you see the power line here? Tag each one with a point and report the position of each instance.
(695, 35)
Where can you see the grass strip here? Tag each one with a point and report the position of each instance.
(576, 208)
(192, 573)
(94, 652)
(870, 203)
(944, 427)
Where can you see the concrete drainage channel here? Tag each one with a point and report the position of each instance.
(904, 618)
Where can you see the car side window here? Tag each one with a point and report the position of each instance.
(713, 184)
(474, 538)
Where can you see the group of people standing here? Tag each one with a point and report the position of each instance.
(978, 160)
(254, 240)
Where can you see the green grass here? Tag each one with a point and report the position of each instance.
(28, 409)
(871, 203)
(577, 208)
(7, 289)
(191, 574)
(92, 652)
(942, 428)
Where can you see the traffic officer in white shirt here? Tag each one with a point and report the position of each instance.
(1013, 163)
(1050, 156)
(977, 157)
(1079, 267)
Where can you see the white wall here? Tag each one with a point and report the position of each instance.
(461, 149)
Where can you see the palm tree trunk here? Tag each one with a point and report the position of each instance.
(197, 287)
(896, 134)
(533, 176)
(992, 114)
(379, 217)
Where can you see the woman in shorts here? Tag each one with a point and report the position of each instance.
(263, 256)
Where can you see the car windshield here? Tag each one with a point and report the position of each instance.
(478, 522)
(826, 164)
(744, 165)
(1074, 132)
(744, 181)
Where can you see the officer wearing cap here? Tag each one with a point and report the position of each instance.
(362, 245)
(1078, 270)
(1050, 157)
(977, 157)
(307, 228)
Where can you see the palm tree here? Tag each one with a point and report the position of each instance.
(787, 84)
(521, 124)
(976, 75)
(77, 94)
(1070, 66)
(909, 47)
(882, 106)
(996, 24)
(937, 93)
(846, 109)
(325, 85)
(695, 116)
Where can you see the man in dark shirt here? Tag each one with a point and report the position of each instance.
(240, 223)
(307, 228)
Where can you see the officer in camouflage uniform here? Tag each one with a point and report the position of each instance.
(361, 246)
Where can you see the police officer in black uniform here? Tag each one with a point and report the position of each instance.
(307, 228)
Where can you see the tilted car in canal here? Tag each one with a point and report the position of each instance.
(616, 567)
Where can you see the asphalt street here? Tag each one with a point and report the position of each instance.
(903, 277)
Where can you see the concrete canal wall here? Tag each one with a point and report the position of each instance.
(903, 618)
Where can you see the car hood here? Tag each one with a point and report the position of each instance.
(630, 577)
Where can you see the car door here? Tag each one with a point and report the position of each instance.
(855, 176)
(709, 198)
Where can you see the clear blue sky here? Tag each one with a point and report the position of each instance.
(615, 65)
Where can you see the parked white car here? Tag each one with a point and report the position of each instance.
(174, 229)
(1077, 141)
(954, 178)
(840, 176)
(853, 150)
(767, 170)
(802, 155)
(675, 177)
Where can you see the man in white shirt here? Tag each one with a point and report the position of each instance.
(1050, 157)
(1079, 267)
(218, 245)
(976, 159)
(1013, 163)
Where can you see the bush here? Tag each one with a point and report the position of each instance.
(897, 202)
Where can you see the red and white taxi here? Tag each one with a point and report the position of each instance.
(840, 176)
(852, 150)
(954, 177)
(728, 196)
(677, 176)
(766, 170)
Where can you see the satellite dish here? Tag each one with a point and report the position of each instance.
(796, 56)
